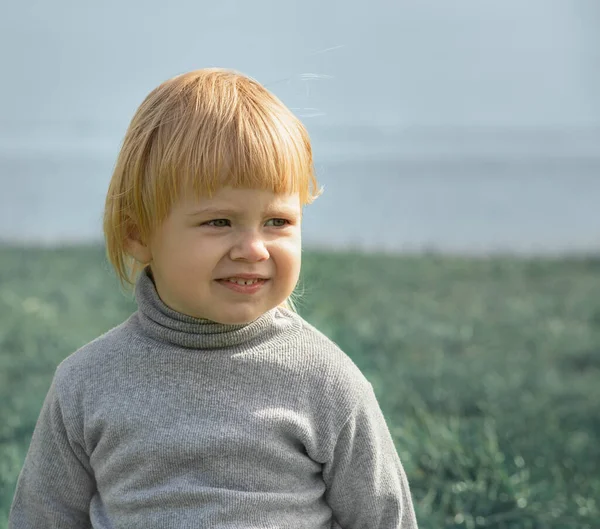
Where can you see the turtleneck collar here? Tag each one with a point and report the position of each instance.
(169, 326)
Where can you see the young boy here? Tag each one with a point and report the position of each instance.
(215, 404)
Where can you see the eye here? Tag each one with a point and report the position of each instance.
(218, 223)
(209, 223)
(284, 222)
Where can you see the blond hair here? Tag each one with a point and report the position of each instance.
(198, 132)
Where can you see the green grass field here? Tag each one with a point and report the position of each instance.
(487, 370)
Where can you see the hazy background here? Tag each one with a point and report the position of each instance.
(450, 125)
(465, 126)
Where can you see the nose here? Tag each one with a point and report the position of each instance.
(249, 246)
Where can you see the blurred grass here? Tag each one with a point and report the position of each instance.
(487, 370)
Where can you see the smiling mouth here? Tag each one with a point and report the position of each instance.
(247, 287)
(243, 282)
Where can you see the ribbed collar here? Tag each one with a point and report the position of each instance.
(169, 326)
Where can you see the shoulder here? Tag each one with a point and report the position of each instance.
(330, 367)
(97, 357)
(330, 385)
(334, 354)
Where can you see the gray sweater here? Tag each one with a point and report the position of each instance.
(171, 422)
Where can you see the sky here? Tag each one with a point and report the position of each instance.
(483, 98)
(430, 63)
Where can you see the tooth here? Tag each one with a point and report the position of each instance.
(243, 281)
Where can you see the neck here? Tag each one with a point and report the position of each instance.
(169, 326)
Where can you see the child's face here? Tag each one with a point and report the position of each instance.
(193, 251)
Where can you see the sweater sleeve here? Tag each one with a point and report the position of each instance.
(366, 484)
(56, 483)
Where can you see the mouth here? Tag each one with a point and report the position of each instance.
(244, 281)
(245, 286)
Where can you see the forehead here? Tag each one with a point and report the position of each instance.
(242, 200)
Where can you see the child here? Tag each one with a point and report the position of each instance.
(215, 404)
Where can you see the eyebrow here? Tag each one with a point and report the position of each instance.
(270, 210)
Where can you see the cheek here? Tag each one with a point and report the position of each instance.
(192, 249)
(289, 254)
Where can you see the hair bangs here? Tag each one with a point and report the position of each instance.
(252, 145)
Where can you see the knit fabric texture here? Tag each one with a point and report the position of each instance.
(172, 422)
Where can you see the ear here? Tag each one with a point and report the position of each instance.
(136, 247)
